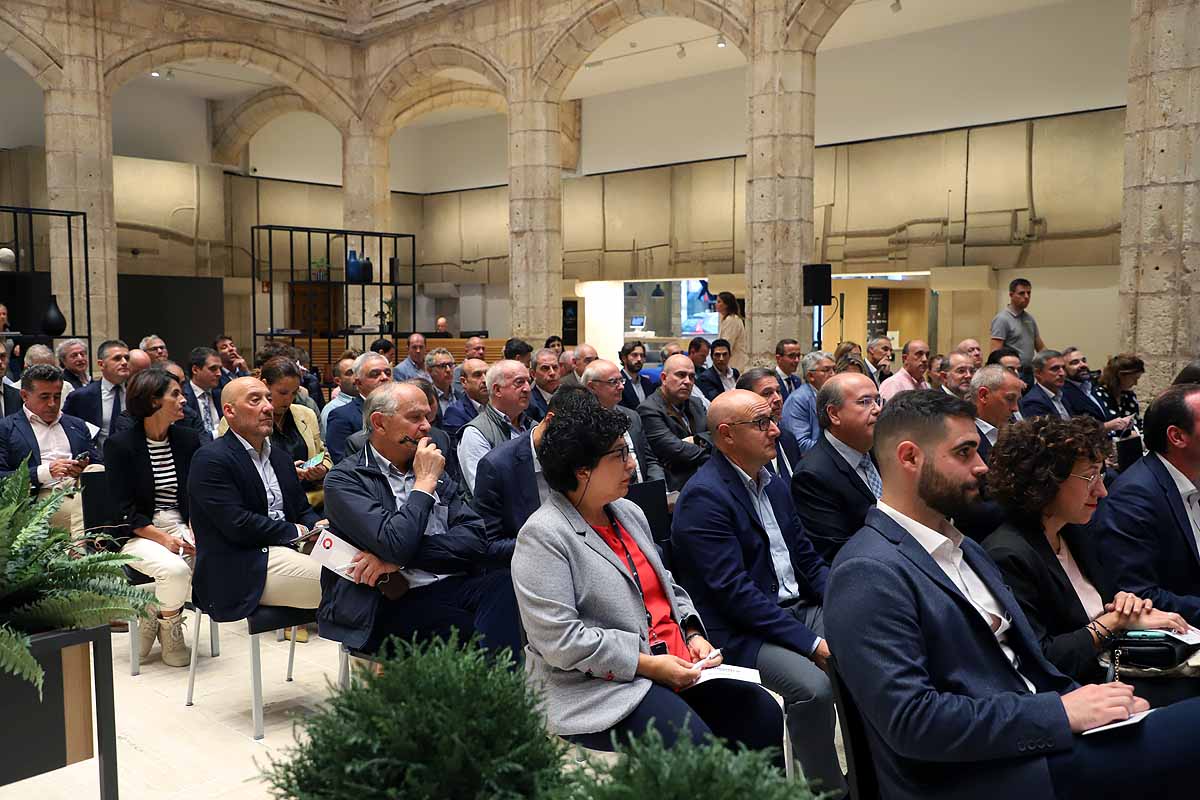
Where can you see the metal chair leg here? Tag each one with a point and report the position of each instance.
(343, 668)
(292, 654)
(195, 655)
(256, 699)
(279, 635)
(135, 645)
(789, 758)
(214, 636)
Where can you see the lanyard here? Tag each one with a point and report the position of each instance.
(629, 560)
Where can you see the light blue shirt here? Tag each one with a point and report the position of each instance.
(800, 416)
(402, 485)
(472, 447)
(1056, 399)
(266, 472)
(407, 369)
(342, 399)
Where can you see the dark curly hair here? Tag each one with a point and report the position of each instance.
(1033, 457)
(577, 438)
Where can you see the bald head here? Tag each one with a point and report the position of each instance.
(678, 378)
(734, 420)
(731, 406)
(246, 404)
(584, 354)
(138, 361)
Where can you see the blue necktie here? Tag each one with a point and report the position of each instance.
(874, 482)
(116, 410)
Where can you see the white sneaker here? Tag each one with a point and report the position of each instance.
(175, 652)
(147, 632)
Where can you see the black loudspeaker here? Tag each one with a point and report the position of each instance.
(818, 285)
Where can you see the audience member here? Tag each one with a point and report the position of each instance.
(915, 358)
(202, 391)
(1079, 395)
(1115, 392)
(101, 402)
(972, 348)
(879, 359)
(370, 370)
(509, 484)
(800, 410)
(1149, 525)
(471, 399)
(720, 377)
(439, 363)
(475, 348)
(154, 346)
(851, 363)
(442, 325)
(1189, 374)
(394, 502)
(59, 446)
(1015, 327)
(996, 393)
(847, 348)
(674, 423)
(232, 363)
(566, 364)
(358, 440)
(959, 369)
(667, 350)
(787, 361)
(413, 365)
(837, 481)
(935, 373)
(697, 351)
(546, 381)
(147, 467)
(614, 652)
(139, 360)
(503, 417)
(741, 552)
(1008, 358)
(191, 420)
(733, 330)
(384, 346)
(10, 396)
(73, 358)
(637, 387)
(344, 375)
(603, 379)
(585, 354)
(765, 383)
(1045, 397)
(954, 708)
(554, 343)
(310, 380)
(1048, 475)
(248, 511)
(518, 350)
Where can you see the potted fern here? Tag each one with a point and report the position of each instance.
(50, 583)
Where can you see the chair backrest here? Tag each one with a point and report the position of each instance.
(651, 497)
(864, 783)
(98, 506)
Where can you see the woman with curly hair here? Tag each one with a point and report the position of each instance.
(1047, 474)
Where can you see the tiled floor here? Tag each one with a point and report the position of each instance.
(167, 751)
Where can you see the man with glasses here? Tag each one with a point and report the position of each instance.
(915, 358)
(958, 370)
(800, 409)
(675, 423)
(440, 365)
(764, 383)
(754, 576)
(155, 347)
(370, 370)
(605, 380)
(838, 481)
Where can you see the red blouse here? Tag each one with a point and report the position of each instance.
(663, 628)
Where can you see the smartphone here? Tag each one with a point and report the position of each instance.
(1145, 634)
(312, 462)
(83, 458)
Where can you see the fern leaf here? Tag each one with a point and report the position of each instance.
(37, 525)
(15, 487)
(16, 659)
(69, 610)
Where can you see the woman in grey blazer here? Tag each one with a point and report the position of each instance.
(614, 642)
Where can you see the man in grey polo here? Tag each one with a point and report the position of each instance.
(1015, 327)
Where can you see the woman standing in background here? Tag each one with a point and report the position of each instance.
(733, 330)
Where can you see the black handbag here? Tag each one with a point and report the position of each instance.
(1164, 653)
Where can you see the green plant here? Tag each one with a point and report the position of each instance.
(647, 768)
(441, 720)
(48, 581)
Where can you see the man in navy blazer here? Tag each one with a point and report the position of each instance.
(470, 400)
(1079, 397)
(1150, 522)
(787, 362)
(370, 370)
(741, 553)
(837, 481)
(720, 376)
(939, 659)
(546, 381)
(204, 382)
(1045, 397)
(248, 510)
(637, 388)
(101, 402)
(393, 502)
(764, 383)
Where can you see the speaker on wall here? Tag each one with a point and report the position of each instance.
(818, 284)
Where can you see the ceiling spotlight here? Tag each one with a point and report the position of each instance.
(681, 53)
(721, 37)
(155, 74)
(896, 7)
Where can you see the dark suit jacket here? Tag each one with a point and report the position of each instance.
(85, 403)
(629, 398)
(191, 420)
(1144, 531)
(228, 506)
(131, 478)
(787, 444)
(194, 404)
(985, 447)
(830, 498)
(1037, 403)
(1044, 591)
(312, 383)
(710, 382)
(362, 510)
(460, 412)
(343, 421)
(537, 406)
(18, 442)
(12, 399)
(1079, 405)
(505, 496)
(784, 388)
(647, 461)
(665, 431)
(722, 556)
(947, 716)
(226, 377)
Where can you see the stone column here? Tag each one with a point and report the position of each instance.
(779, 188)
(1160, 231)
(366, 206)
(79, 177)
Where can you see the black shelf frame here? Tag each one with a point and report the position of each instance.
(378, 245)
(75, 220)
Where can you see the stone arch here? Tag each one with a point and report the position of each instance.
(234, 128)
(393, 93)
(35, 54)
(297, 74)
(600, 19)
(460, 94)
(809, 20)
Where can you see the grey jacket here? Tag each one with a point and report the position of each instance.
(584, 616)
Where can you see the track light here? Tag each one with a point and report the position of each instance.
(155, 74)
(721, 37)
(896, 7)
(681, 52)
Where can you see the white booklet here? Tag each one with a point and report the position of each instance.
(1134, 719)
(334, 554)
(728, 671)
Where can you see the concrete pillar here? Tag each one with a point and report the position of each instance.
(366, 206)
(1160, 232)
(779, 189)
(79, 177)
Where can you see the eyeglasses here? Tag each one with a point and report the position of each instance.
(762, 423)
(613, 382)
(870, 400)
(622, 451)
(1089, 479)
(449, 365)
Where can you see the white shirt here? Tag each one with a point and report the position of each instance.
(946, 551)
(542, 487)
(207, 406)
(1191, 497)
(266, 472)
(988, 430)
(727, 380)
(106, 405)
(851, 457)
(52, 443)
(699, 395)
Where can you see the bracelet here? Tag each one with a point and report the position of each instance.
(1102, 625)
(691, 636)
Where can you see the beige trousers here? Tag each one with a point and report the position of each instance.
(70, 513)
(172, 572)
(293, 579)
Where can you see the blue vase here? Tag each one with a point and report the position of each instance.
(367, 269)
(353, 268)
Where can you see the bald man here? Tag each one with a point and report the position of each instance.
(138, 360)
(585, 354)
(745, 559)
(675, 423)
(248, 512)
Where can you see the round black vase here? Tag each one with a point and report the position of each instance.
(53, 321)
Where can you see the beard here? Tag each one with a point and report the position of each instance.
(951, 500)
